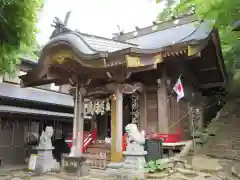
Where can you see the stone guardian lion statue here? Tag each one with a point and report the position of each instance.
(45, 138)
(135, 139)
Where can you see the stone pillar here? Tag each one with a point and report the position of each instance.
(116, 126)
(75, 118)
(143, 110)
(162, 104)
(78, 122)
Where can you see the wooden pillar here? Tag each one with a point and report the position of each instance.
(162, 104)
(143, 110)
(116, 126)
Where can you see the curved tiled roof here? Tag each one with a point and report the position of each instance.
(95, 52)
(190, 32)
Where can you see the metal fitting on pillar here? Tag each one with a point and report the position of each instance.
(158, 82)
(83, 91)
(168, 82)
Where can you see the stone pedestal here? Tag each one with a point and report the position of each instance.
(45, 161)
(133, 166)
(76, 166)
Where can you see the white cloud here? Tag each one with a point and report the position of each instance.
(98, 17)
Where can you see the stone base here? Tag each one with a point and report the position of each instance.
(115, 165)
(113, 168)
(75, 165)
(133, 166)
(45, 161)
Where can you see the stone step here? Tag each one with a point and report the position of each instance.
(99, 145)
(97, 150)
(88, 155)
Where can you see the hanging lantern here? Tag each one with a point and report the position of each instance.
(102, 107)
(97, 107)
(108, 107)
(114, 97)
(85, 109)
(89, 107)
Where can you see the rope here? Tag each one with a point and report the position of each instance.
(190, 112)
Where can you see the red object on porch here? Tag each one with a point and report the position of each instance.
(124, 142)
(88, 138)
(167, 138)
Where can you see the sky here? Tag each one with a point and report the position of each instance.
(98, 17)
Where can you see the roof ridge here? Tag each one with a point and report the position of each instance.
(169, 24)
(105, 38)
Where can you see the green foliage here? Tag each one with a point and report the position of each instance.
(154, 166)
(18, 30)
(224, 13)
(170, 11)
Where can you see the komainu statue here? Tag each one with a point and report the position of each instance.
(134, 155)
(135, 139)
(45, 139)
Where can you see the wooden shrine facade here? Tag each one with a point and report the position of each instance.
(147, 61)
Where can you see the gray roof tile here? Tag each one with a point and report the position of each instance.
(174, 35)
(104, 44)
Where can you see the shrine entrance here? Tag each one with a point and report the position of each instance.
(103, 121)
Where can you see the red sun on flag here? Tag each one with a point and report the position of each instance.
(179, 88)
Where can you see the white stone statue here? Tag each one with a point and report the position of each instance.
(135, 154)
(135, 139)
(45, 139)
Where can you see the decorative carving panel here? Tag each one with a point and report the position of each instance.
(135, 108)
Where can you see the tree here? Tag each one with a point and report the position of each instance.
(18, 30)
(224, 13)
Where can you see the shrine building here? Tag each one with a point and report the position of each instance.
(130, 78)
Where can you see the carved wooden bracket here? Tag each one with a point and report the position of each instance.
(125, 88)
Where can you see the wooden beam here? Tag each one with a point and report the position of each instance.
(208, 69)
(190, 76)
(211, 85)
(216, 42)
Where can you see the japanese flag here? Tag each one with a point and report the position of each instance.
(178, 88)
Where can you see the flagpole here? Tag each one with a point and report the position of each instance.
(180, 76)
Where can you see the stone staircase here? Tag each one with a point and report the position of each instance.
(97, 149)
(224, 131)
